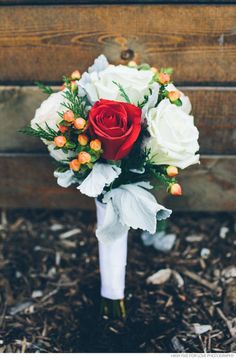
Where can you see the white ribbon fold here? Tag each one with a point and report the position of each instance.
(129, 205)
(112, 259)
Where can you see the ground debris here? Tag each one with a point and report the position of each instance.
(194, 238)
(159, 277)
(201, 328)
(161, 241)
(178, 347)
(20, 307)
(69, 233)
(223, 232)
(49, 287)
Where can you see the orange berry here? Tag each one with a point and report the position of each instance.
(60, 141)
(63, 129)
(82, 139)
(96, 145)
(176, 189)
(171, 171)
(68, 116)
(75, 165)
(164, 78)
(80, 123)
(173, 96)
(74, 86)
(63, 86)
(154, 70)
(75, 75)
(84, 157)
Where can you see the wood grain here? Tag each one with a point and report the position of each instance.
(214, 110)
(67, 2)
(27, 181)
(44, 42)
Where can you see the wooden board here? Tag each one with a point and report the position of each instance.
(27, 181)
(44, 42)
(214, 110)
(215, 117)
(67, 2)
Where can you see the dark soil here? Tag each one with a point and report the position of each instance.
(49, 287)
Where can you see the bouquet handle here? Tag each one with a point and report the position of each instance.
(112, 262)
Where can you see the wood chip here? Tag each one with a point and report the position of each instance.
(159, 277)
(67, 234)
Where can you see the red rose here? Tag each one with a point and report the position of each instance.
(117, 125)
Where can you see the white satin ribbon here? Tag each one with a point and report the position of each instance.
(112, 260)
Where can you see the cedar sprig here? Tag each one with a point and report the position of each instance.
(48, 134)
(122, 92)
(158, 172)
(75, 103)
(145, 99)
(45, 89)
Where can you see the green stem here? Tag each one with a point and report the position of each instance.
(114, 309)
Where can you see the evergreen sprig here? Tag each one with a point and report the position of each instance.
(48, 134)
(45, 89)
(122, 92)
(75, 103)
(158, 172)
(145, 99)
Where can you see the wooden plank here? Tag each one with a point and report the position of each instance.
(27, 181)
(215, 117)
(44, 42)
(17, 108)
(79, 2)
(214, 109)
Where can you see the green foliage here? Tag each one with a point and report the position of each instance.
(45, 89)
(75, 103)
(144, 67)
(83, 172)
(66, 81)
(48, 134)
(122, 92)
(64, 123)
(158, 173)
(167, 70)
(70, 145)
(142, 104)
(162, 225)
(178, 102)
(163, 93)
(145, 99)
(62, 168)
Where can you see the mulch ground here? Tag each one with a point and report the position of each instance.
(49, 287)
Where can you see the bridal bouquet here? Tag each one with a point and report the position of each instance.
(117, 132)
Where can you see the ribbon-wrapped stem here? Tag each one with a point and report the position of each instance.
(114, 309)
(112, 262)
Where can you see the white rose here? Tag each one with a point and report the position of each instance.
(100, 84)
(174, 138)
(186, 104)
(47, 113)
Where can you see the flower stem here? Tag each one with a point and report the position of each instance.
(114, 309)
